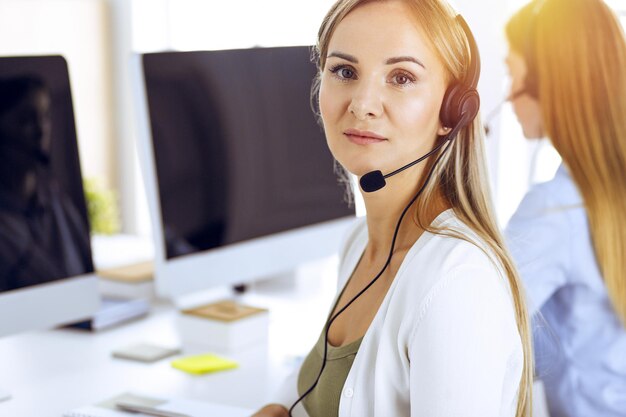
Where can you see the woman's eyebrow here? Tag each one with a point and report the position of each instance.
(390, 61)
(341, 55)
(397, 59)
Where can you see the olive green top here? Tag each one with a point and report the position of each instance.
(323, 401)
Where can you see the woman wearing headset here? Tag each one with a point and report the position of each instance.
(567, 62)
(443, 329)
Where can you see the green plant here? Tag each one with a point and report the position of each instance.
(101, 207)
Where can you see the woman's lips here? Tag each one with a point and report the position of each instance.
(363, 137)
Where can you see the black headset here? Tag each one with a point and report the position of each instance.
(462, 99)
(459, 107)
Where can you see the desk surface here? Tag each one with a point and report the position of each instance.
(53, 371)
(50, 372)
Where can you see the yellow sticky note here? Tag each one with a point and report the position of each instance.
(202, 364)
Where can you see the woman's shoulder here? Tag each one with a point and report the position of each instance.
(456, 245)
(456, 252)
(550, 199)
(456, 275)
(547, 218)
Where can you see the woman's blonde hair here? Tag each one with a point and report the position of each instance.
(461, 175)
(577, 50)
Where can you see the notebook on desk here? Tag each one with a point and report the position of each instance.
(185, 407)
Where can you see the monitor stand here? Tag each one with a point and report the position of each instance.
(4, 395)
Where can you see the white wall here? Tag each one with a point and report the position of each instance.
(197, 24)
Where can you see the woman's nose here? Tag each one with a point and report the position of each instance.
(367, 102)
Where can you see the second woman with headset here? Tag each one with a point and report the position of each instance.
(567, 62)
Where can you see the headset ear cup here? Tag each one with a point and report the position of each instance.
(459, 100)
(469, 104)
(449, 113)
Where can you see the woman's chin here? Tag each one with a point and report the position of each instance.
(360, 168)
(359, 172)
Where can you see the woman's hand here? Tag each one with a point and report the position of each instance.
(272, 410)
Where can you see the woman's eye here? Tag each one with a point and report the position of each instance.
(346, 73)
(342, 72)
(403, 79)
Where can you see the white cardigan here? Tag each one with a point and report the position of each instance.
(444, 342)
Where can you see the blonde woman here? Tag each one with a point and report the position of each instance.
(567, 62)
(429, 319)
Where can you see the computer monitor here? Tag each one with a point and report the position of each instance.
(239, 179)
(46, 270)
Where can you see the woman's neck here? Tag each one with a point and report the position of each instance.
(384, 208)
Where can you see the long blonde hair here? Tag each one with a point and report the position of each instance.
(578, 51)
(461, 176)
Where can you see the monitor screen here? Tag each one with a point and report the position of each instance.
(238, 152)
(44, 229)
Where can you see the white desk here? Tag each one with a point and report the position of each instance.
(50, 372)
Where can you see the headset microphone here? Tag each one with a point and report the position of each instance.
(375, 180)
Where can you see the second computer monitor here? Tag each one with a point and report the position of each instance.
(239, 177)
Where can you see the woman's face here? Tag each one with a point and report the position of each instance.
(381, 89)
(527, 108)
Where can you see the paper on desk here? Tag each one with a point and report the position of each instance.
(94, 411)
(201, 364)
(192, 408)
(107, 408)
(202, 409)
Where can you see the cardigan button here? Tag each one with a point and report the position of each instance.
(348, 392)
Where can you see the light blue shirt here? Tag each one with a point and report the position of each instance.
(580, 344)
